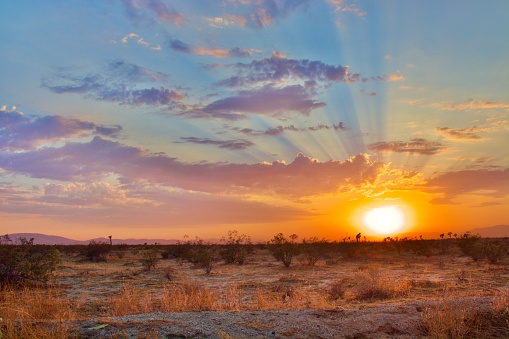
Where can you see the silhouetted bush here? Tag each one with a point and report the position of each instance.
(96, 250)
(284, 249)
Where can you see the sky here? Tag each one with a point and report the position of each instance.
(159, 118)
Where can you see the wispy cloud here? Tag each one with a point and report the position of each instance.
(460, 133)
(482, 182)
(118, 84)
(152, 10)
(471, 104)
(342, 6)
(182, 47)
(278, 130)
(417, 146)
(139, 40)
(227, 144)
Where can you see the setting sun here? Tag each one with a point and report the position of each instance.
(384, 220)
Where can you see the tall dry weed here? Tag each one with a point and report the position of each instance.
(131, 300)
(373, 283)
(36, 313)
(188, 297)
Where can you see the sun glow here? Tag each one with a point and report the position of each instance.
(384, 220)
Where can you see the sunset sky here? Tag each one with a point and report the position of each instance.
(159, 118)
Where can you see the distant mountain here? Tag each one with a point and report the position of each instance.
(44, 239)
(498, 231)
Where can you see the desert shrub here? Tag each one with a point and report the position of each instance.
(283, 249)
(494, 251)
(20, 264)
(336, 289)
(189, 297)
(236, 248)
(313, 250)
(150, 258)
(96, 251)
(372, 284)
(467, 243)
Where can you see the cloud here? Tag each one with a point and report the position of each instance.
(98, 159)
(139, 40)
(459, 134)
(341, 6)
(227, 144)
(278, 130)
(414, 146)
(262, 13)
(20, 131)
(182, 47)
(150, 10)
(471, 104)
(482, 182)
(118, 84)
(264, 101)
(279, 69)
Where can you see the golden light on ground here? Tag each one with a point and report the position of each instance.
(384, 220)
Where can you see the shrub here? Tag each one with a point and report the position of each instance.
(236, 248)
(23, 263)
(373, 284)
(96, 250)
(284, 249)
(493, 251)
(313, 250)
(150, 258)
(467, 243)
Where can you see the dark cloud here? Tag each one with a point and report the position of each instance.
(278, 130)
(182, 47)
(100, 158)
(276, 70)
(414, 146)
(265, 101)
(227, 144)
(118, 84)
(20, 131)
(459, 134)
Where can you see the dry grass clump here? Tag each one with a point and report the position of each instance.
(372, 283)
(36, 313)
(189, 297)
(455, 318)
(130, 300)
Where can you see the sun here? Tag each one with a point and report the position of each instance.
(384, 220)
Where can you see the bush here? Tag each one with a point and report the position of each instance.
(467, 244)
(284, 249)
(313, 250)
(96, 250)
(150, 258)
(236, 248)
(23, 263)
(494, 251)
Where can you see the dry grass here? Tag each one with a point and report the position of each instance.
(122, 287)
(36, 313)
(455, 317)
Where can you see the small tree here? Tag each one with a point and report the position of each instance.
(284, 249)
(96, 250)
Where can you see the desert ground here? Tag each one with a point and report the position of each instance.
(389, 289)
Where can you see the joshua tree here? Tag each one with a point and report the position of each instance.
(111, 242)
(441, 236)
(358, 237)
(450, 235)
